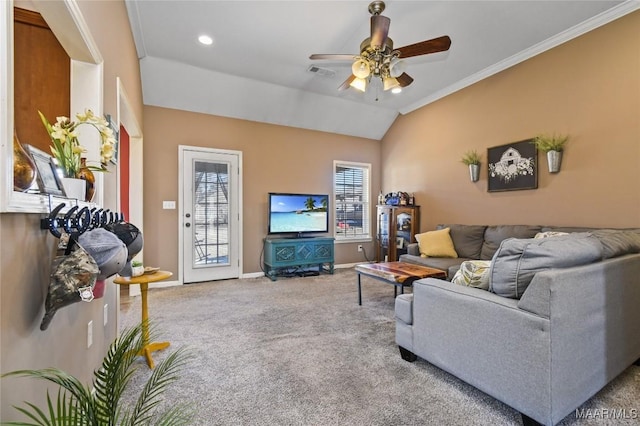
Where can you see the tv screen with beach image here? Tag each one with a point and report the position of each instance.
(298, 213)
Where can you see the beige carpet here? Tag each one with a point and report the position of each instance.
(300, 351)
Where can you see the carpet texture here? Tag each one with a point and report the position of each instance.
(300, 351)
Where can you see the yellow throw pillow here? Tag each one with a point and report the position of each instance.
(436, 244)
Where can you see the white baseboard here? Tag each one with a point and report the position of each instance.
(253, 275)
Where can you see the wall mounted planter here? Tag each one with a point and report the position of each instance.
(554, 160)
(474, 172)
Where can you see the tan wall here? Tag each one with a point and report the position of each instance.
(26, 253)
(275, 159)
(588, 88)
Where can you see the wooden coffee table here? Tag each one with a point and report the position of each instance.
(399, 274)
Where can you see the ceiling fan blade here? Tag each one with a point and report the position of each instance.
(379, 30)
(336, 57)
(404, 79)
(439, 44)
(347, 82)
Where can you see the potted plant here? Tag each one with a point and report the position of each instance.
(100, 403)
(68, 151)
(472, 159)
(553, 146)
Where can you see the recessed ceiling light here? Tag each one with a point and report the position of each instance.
(205, 39)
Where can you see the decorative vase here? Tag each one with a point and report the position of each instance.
(87, 175)
(24, 168)
(74, 188)
(474, 172)
(554, 160)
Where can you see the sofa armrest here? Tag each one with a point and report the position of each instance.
(413, 249)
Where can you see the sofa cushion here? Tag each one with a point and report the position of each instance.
(568, 229)
(494, 235)
(467, 239)
(517, 260)
(618, 242)
(473, 273)
(436, 243)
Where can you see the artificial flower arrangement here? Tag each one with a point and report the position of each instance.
(66, 148)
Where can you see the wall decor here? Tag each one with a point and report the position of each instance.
(513, 166)
(48, 180)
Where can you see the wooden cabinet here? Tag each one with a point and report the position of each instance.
(396, 228)
(294, 254)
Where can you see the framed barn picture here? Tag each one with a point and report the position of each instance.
(513, 166)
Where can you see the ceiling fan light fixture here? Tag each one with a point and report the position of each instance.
(360, 69)
(359, 84)
(389, 83)
(396, 67)
(379, 66)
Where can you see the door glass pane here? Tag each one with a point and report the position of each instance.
(211, 213)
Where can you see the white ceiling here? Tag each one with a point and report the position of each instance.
(257, 67)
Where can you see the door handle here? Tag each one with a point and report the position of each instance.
(187, 224)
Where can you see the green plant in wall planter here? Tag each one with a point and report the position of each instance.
(100, 404)
(553, 146)
(472, 159)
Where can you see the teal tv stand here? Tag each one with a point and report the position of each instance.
(286, 253)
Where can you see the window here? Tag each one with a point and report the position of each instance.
(351, 190)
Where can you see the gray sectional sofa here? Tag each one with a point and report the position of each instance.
(560, 322)
(478, 242)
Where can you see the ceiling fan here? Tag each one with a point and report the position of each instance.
(379, 59)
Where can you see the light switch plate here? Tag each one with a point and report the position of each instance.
(169, 205)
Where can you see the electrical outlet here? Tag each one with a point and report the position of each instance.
(105, 314)
(360, 247)
(89, 334)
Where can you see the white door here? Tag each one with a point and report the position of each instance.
(210, 214)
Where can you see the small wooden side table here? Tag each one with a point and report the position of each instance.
(144, 281)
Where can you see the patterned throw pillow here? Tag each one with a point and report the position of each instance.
(550, 234)
(473, 273)
(436, 244)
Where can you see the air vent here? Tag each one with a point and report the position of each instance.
(326, 72)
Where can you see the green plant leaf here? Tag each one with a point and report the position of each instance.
(470, 157)
(554, 142)
(77, 406)
(163, 375)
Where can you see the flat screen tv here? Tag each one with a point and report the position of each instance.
(298, 214)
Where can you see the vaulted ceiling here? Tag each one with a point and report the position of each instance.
(258, 66)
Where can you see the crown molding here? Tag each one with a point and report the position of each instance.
(584, 27)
